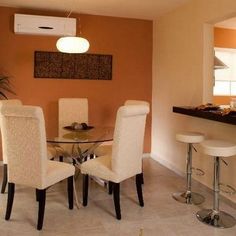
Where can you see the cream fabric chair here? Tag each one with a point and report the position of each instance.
(24, 144)
(8, 102)
(71, 110)
(51, 152)
(125, 160)
(107, 148)
(136, 102)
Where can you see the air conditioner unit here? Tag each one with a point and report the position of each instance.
(44, 25)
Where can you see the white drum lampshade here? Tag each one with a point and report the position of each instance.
(70, 44)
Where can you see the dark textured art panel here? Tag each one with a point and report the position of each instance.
(72, 66)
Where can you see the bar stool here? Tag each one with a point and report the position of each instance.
(188, 196)
(215, 217)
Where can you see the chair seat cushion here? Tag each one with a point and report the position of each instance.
(57, 171)
(100, 167)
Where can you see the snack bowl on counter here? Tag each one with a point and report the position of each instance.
(208, 107)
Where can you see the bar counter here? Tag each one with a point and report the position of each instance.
(209, 115)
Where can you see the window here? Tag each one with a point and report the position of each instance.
(225, 79)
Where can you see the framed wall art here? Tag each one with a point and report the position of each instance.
(57, 65)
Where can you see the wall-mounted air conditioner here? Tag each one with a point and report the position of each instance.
(44, 25)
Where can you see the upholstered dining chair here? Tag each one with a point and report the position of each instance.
(71, 110)
(136, 102)
(107, 148)
(51, 151)
(125, 161)
(24, 144)
(8, 102)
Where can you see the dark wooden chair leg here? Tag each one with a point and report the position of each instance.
(70, 192)
(109, 187)
(85, 190)
(10, 199)
(90, 156)
(139, 189)
(61, 158)
(4, 180)
(41, 200)
(116, 198)
(142, 178)
(37, 194)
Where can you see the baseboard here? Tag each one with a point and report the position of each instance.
(167, 164)
(171, 167)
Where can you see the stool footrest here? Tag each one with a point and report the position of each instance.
(188, 197)
(198, 171)
(220, 219)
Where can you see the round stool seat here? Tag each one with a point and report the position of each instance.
(218, 148)
(190, 137)
(188, 196)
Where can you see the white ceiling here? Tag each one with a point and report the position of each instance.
(227, 24)
(140, 9)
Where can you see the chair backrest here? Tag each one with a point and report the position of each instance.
(24, 142)
(127, 148)
(13, 102)
(71, 110)
(136, 102)
(8, 102)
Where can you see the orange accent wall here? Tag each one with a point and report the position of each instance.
(222, 100)
(128, 40)
(224, 38)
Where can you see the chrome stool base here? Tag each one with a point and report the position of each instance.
(189, 198)
(220, 220)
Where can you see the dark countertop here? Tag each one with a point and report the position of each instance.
(209, 115)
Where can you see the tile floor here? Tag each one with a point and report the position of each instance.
(161, 215)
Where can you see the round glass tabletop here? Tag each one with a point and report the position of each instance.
(93, 135)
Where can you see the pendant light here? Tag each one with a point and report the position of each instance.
(73, 44)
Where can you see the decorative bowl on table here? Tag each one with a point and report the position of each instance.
(75, 126)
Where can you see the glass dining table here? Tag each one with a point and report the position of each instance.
(81, 142)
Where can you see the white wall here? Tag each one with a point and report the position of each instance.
(180, 77)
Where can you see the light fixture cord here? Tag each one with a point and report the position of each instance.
(80, 31)
(69, 14)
